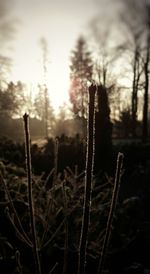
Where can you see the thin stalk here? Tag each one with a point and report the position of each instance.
(56, 146)
(30, 198)
(54, 234)
(17, 256)
(18, 233)
(88, 183)
(49, 176)
(65, 266)
(47, 223)
(21, 230)
(112, 210)
(54, 268)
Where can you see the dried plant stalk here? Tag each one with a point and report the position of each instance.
(56, 147)
(30, 198)
(112, 210)
(65, 266)
(88, 180)
(17, 256)
(19, 228)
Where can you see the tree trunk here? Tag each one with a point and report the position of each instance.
(134, 99)
(146, 88)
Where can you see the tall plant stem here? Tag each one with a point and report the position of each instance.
(56, 147)
(88, 182)
(112, 210)
(65, 266)
(20, 231)
(30, 198)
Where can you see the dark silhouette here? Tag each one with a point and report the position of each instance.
(81, 72)
(103, 133)
(146, 75)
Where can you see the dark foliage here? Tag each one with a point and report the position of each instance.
(103, 133)
(127, 251)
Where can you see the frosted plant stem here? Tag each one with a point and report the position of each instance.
(30, 198)
(88, 182)
(65, 266)
(56, 146)
(17, 256)
(21, 230)
(112, 210)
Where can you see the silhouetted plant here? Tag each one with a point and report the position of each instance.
(112, 209)
(19, 267)
(30, 198)
(19, 228)
(56, 147)
(66, 250)
(58, 211)
(88, 182)
(103, 133)
(81, 72)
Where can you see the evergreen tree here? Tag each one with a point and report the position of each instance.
(103, 133)
(81, 72)
(44, 110)
(15, 100)
(8, 102)
(7, 31)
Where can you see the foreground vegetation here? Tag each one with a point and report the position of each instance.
(58, 201)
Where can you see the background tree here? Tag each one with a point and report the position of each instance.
(23, 98)
(44, 48)
(7, 30)
(81, 70)
(107, 56)
(14, 100)
(138, 21)
(8, 102)
(126, 122)
(105, 50)
(103, 133)
(146, 71)
(61, 125)
(8, 108)
(39, 110)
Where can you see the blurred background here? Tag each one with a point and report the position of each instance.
(52, 50)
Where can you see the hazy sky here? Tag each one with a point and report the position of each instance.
(60, 22)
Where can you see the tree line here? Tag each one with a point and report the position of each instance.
(115, 56)
(129, 102)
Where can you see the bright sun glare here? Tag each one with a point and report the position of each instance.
(60, 23)
(30, 72)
